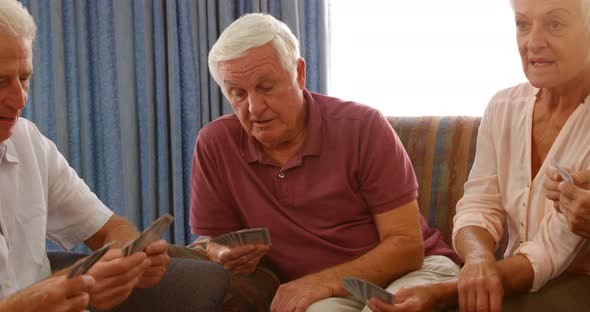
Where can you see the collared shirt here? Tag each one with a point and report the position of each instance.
(501, 187)
(320, 205)
(41, 197)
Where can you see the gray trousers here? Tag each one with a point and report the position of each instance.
(188, 285)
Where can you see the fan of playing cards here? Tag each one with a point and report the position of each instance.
(85, 265)
(365, 291)
(244, 237)
(565, 176)
(151, 234)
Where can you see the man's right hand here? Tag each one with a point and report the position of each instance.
(480, 285)
(116, 276)
(57, 293)
(238, 260)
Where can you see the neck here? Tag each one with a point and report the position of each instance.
(567, 96)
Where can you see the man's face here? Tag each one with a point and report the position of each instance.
(16, 68)
(268, 103)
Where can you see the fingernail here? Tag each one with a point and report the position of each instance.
(88, 279)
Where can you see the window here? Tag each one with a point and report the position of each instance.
(426, 57)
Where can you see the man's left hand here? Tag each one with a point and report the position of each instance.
(299, 294)
(157, 253)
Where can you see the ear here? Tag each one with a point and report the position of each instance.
(301, 73)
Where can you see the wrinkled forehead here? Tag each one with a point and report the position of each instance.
(256, 63)
(15, 48)
(534, 8)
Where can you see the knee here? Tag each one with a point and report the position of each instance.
(328, 304)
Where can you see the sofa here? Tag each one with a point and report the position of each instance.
(442, 151)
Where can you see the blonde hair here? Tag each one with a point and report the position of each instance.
(16, 21)
(251, 31)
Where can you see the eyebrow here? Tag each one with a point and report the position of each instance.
(548, 13)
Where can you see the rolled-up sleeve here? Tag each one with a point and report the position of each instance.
(481, 203)
(549, 256)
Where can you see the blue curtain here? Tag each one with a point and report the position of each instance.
(122, 88)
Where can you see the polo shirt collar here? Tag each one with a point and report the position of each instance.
(313, 137)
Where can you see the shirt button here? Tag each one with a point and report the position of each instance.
(281, 175)
(521, 241)
(521, 223)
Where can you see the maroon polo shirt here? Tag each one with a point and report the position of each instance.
(319, 206)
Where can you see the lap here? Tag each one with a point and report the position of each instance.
(435, 268)
(188, 285)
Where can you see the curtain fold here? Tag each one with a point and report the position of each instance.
(122, 88)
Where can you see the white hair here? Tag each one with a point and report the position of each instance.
(584, 10)
(16, 21)
(251, 31)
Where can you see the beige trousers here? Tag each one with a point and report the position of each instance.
(435, 268)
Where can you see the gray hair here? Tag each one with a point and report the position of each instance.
(16, 21)
(584, 10)
(251, 31)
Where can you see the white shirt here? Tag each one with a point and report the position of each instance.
(41, 197)
(500, 186)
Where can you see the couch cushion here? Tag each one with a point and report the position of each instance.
(442, 150)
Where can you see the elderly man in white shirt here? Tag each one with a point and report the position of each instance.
(41, 197)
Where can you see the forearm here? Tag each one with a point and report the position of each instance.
(116, 230)
(392, 258)
(474, 242)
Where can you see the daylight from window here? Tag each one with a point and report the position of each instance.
(418, 58)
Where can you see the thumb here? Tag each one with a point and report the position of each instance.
(582, 177)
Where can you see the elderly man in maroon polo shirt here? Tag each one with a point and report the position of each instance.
(329, 179)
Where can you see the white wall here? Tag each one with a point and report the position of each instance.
(423, 57)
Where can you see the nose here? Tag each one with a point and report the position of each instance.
(16, 95)
(256, 104)
(536, 38)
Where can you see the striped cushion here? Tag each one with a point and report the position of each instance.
(442, 151)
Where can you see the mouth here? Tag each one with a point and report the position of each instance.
(2, 118)
(262, 122)
(540, 63)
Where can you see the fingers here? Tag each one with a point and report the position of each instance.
(77, 285)
(157, 247)
(78, 303)
(247, 262)
(582, 177)
(496, 298)
(117, 265)
(551, 188)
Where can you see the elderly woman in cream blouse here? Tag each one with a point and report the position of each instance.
(512, 181)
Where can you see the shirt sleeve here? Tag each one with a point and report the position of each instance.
(387, 177)
(552, 249)
(74, 212)
(211, 212)
(481, 202)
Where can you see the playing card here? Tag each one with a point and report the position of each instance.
(244, 237)
(565, 176)
(365, 291)
(153, 233)
(85, 265)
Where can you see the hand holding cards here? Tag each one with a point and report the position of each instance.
(85, 265)
(151, 234)
(565, 176)
(365, 291)
(244, 237)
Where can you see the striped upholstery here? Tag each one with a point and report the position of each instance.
(442, 151)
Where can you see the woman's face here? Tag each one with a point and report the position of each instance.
(553, 42)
